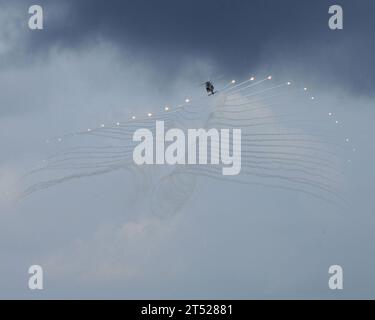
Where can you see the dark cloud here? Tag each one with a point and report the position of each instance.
(237, 35)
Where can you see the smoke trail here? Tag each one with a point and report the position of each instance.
(276, 152)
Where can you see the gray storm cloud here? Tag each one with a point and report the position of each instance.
(236, 36)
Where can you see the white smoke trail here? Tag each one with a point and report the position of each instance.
(276, 152)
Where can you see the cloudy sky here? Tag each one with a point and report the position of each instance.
(101, 61)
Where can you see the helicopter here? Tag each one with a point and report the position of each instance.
(209, 85)
(210, 88)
